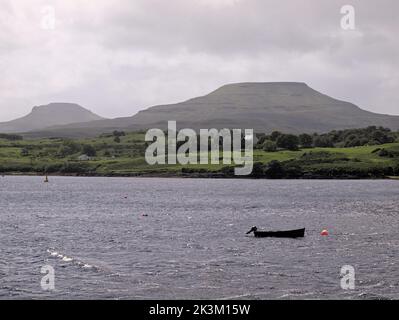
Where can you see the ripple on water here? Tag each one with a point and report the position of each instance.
(185, 238)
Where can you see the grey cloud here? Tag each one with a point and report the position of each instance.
(117, 57)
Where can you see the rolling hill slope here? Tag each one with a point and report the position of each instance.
(53, 114)
(290, 107)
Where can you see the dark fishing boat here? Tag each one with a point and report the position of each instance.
(298, 233)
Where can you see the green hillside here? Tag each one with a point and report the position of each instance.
(122, 154)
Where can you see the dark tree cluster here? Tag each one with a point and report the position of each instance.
(70, 147)
(297, 169)
(117, 135)
(11, 137)
(277, 140)
(276, 170)
(360, 137)
(338, 138)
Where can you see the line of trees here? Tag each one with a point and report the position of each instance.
(338, 138)
(294, 169)
(70, 147)
(10, 137)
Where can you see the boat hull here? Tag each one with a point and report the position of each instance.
(298, 233)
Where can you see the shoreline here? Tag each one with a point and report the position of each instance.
(189, 176)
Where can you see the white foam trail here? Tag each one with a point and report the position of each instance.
(69, 259)
(53, 253)
(66, 259)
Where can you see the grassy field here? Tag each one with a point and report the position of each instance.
(125, 157)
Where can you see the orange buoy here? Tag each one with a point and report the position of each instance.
(324, 232)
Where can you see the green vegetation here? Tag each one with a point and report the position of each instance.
(275, 156)
(343, 138)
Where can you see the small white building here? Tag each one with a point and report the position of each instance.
(84, 157)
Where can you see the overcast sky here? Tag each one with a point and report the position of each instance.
(117, 57)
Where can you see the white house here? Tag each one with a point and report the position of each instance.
(84, 157)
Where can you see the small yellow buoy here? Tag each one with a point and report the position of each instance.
(324, 232)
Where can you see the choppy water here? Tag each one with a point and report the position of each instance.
(96, 235)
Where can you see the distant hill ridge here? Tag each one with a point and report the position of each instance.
(45, 116)
(291, 107)
(285, 106)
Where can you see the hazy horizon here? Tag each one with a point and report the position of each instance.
(121, 57)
